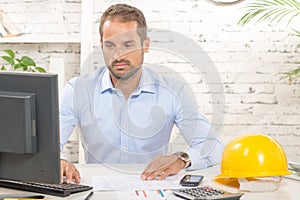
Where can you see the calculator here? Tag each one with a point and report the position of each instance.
(206, 193)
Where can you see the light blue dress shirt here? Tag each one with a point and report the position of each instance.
(135, 130)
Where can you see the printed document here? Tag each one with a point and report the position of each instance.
(134, 183)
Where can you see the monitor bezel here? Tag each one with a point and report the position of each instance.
(43, 166)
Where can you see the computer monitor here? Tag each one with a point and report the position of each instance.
(29, 127)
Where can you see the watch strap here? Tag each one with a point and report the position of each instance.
(184, 157)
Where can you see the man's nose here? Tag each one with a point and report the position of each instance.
(119, 53)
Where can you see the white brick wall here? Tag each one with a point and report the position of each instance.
(247, 58)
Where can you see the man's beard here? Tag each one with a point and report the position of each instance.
(132, 70)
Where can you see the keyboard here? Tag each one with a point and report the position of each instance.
(61, 190)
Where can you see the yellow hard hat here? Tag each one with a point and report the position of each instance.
(253, 155)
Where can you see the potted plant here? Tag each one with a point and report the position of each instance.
(275, 11)
(24, 63)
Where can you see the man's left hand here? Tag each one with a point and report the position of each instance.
(162, 167)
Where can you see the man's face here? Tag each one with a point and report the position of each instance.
(122, 48)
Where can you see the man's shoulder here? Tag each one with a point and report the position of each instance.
(90, 76)
(86, 81)
(165, 76)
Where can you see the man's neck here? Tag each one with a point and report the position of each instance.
(127, 87)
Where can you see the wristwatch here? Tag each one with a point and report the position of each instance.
(184, 157)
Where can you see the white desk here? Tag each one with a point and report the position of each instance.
(289, 189)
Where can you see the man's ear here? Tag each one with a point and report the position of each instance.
(146, 44)
(101, 43)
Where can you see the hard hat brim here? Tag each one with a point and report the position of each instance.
(254, 174)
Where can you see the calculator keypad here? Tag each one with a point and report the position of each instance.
(202, 191)
(206, 192)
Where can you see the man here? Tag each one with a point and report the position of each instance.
(126, 111)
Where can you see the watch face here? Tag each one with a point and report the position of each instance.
(184, 155)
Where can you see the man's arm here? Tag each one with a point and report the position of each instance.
(204, 149)
(204, 146)
(67, 122)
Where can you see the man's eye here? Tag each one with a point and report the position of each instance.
(129, 45)
(109, 46)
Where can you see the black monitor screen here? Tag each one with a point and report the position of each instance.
(29, 127)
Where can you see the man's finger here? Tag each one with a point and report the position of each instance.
(165, 174)
(68, 175)
(62, 170)
(150, 175)
(77, 178)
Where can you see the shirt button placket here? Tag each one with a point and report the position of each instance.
(124, 132)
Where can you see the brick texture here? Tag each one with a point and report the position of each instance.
(247, 59)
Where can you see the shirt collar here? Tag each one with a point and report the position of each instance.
(105, 82)
(147, 82)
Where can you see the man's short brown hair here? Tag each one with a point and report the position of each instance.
(125, 13)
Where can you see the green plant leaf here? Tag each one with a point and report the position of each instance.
(273, 10)
(18, 66)
(10, 53)
(24, 64)
(27, 61)
(295, 33)
(291, 75)
(8, 59)
(40, 69)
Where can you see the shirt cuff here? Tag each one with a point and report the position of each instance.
(199, 161)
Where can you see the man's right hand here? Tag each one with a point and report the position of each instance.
(69, 171)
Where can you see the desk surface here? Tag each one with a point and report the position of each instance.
(289, 189)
